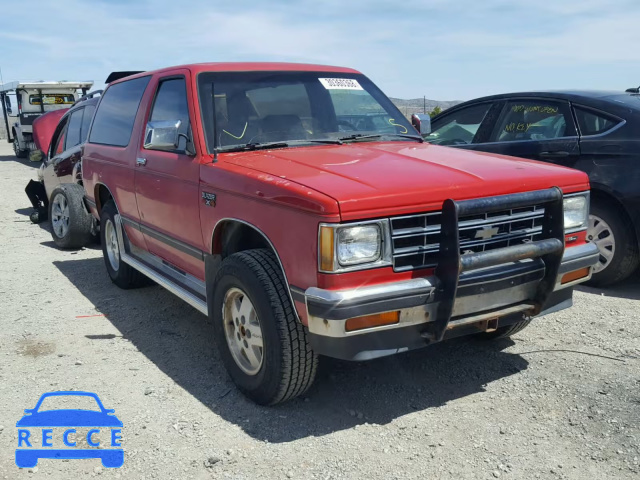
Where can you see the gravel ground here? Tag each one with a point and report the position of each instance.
(559, 400)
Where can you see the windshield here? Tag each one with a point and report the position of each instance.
(295, 107)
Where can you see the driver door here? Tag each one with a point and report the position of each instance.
(167, 182)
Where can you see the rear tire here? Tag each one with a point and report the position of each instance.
(17, 151)
(615, 238)
(503, 332)
(70, 221)
(122, 274)
(250, 295)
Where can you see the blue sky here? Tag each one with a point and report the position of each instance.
(443, 49)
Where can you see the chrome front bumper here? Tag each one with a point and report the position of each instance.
(502, 292)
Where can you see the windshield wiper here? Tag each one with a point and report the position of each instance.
(266, 145)
(252, 146)
(360, 136)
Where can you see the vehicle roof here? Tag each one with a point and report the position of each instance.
(581, 96)
(196, 68)
(42, 84)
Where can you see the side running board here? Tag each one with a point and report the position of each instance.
(162, 274)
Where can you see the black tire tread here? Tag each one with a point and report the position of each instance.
(627, 256)
(504, 332)
(18, 152)
(299, 363)
(79, 234)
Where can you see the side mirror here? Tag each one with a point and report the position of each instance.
(36, 156)
(162, 135)
(7, 102)
(422, 123)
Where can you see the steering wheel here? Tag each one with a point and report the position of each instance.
(349, 125)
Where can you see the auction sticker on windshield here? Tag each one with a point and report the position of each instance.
(340, 84)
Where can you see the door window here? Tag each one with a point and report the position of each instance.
(593, 123)
(89, 110)
(57, 143)
(533, 120)
(459, 127)
(73, 130)
(171, 104)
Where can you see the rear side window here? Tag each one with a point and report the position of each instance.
(592, 123)
(89, 110)
(52, 99)
(534, 120)
(73, 130)
(113, 122)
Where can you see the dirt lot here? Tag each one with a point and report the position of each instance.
(560, 400)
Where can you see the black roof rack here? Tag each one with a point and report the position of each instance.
(88, 96)
(113, 76)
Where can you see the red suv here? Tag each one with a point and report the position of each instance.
(297, 208)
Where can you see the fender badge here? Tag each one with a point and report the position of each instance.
(209, 199)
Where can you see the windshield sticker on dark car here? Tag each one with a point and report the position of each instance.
(340, 84)
(517, 127)
(535, 108)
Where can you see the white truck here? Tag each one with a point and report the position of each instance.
(33, 99)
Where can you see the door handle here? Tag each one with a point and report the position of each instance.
(141, 162)
(560, 154)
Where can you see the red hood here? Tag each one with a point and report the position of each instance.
(384, 178)
(44, 126)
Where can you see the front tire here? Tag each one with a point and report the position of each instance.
(70, 221)
(262, 344)
(123, 275)
(613, 235)
(504, 332)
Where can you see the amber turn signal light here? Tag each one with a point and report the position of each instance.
(370, 321)
(326, 249)
(575, 275)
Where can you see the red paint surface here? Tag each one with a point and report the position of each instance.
(44, 126)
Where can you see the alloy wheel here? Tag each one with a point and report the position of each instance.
(243, 331)
(600, 233)
(111, 245)
(60, 216)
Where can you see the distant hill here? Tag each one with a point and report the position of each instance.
(416, 105)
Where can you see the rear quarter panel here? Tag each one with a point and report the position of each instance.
(113, 167)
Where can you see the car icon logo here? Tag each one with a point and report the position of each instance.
(36, 437)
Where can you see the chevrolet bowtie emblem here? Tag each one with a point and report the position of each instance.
(486, 232)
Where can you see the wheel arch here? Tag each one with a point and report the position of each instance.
(102, 195)
(232, 235)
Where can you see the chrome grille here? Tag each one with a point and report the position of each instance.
(416, 238)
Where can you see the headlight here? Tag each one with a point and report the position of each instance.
(358, 244)
(576, 212)
(353, 247)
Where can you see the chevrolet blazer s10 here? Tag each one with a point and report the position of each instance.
(297, 208)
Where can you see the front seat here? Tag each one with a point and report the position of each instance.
(282, 127)
(241, 126)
